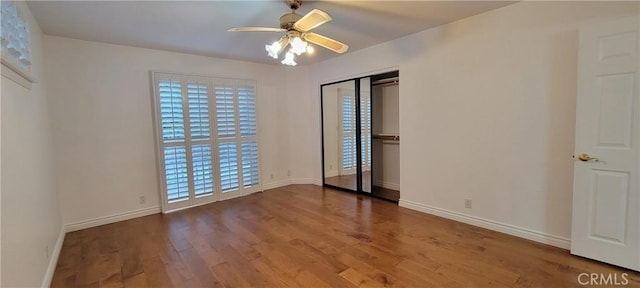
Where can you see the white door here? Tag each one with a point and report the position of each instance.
(606, 222)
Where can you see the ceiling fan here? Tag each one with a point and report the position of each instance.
(297, 33)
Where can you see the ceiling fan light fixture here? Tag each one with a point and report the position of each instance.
(274, 49)
(289, 59)
(298, 35)
(298, 45)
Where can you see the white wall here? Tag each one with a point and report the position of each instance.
(30, 215)
(487, 108)
(103, 127)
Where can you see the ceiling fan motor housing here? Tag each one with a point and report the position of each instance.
(294, 4)
(287, 20)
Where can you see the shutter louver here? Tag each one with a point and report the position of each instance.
(171, 111)
(347, 114)
(202, 170)
(250, 175)
(348, 148)
(225, 111)
(228, 166)
(365, 115)
(176, 174)
(247, 110)
(348, 128)
(198, 110)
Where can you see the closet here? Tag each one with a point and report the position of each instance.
(360, 135)
(385, 134)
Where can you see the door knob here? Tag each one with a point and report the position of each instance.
(585, 157)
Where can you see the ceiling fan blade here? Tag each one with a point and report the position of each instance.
(256, 29)
(326, 42)
(312, 20)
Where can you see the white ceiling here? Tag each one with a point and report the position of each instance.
(199, 27)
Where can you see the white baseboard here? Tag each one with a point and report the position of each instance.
(388, 185)
(312, 181)
(537, 236)
(276, 184)
(286, 182)
(332, 173)
(53, 260)
(111, 219)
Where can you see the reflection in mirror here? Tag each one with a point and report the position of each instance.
(339, 139)
(365, 132)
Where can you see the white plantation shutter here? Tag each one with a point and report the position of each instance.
(248, 132)
(226, 126)
(237, 135)
(365, 114)
(202, 170)
(173, 137)
(207, 137)
(198, 110)
(176, 173)
(200, 136)
(14, 35)
(348, 122)
(247, 110)
(171, 110)
(228, 167)
(250, 175)
(225, 110)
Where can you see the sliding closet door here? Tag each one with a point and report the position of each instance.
(361, 135)
(365, 133)
(339, 135)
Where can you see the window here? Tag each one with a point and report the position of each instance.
(14, 39)
(208, 138)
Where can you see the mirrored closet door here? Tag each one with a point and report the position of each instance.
(360, 135)
(339, 135)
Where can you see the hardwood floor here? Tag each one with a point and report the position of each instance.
(309, 236)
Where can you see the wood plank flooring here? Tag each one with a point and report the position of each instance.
(309, 236)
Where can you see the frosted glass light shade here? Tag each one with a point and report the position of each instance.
(288, 59)
(298, 45)
(273, 49)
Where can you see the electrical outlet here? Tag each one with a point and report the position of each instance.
(289, 173)
(467, 203)
(48, 253)
(142, 200)
(330, 166)
(271, 176)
